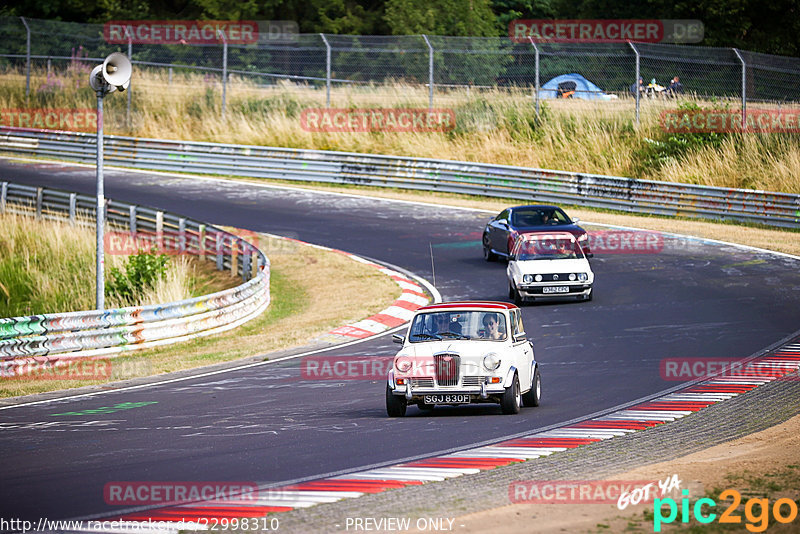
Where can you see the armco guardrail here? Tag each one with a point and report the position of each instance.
(590, 190)
(95, 333)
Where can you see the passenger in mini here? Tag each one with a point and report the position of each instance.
(492, 326)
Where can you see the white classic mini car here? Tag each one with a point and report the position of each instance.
(464, 352)
(545, 266)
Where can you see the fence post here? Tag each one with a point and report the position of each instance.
(39, 193)
(224, 68)
(3, 196)
(744, 88)
(246, 263)
(132, 220)
(160, 231)
(129, 33)
(430, 71)
(536, 89)
(27, 58)
(170, 76)
(182, 235)
(636, 82)
(327, 71)
(219, 251)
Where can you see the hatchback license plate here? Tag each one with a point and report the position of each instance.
(555, 289)
(446, 399)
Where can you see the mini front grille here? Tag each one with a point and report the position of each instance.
(448, 367)
(422, 382)
(472, 381)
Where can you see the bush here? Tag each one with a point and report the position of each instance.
(142, 271)
(670, 146)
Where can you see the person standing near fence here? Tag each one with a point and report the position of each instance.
(675, 87)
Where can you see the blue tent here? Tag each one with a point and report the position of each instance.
(583, 88)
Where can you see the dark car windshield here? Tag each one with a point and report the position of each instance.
(522, 217)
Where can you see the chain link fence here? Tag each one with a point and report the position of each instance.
(436, 65)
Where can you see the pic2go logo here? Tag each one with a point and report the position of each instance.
(756, 511)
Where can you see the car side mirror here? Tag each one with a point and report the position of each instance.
(397, 338)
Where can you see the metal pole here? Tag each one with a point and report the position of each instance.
(430, 71)
(27, 58)
(101, 202)
(636, 83)
(327, 71)
(744, 89)
(224, 69)
(129, 32)
(536, 50)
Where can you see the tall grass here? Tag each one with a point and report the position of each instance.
(495, 126)
(49, 267)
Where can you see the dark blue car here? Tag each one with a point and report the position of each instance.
(501, 232)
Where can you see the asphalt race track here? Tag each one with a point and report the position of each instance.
(266, 425)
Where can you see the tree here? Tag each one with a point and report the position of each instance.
(441, 17)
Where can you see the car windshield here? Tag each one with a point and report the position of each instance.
(522, 217)
(436, 326)
(531, 248)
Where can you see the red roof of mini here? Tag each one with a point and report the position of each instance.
(485, 304)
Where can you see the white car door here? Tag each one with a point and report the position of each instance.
(522, 350)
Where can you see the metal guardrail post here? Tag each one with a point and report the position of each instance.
(182, 235)
(744, 88)
(220, 257)
(201, 241)
(430, 71)
(536, 61)
(636, 82)
(327, 71)
(73, 202)
(3, 195)
(246, 257)
(27, 58)
(132, 220)
(160, 230)
(39, 193)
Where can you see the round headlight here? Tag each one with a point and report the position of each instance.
(402, 364)
(527, 279)
(572, 276)
(583, 237)
(538, 278)
(583, 277)
(491, 361)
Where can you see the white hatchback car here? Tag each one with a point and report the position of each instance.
(464, 352)
(552, 265)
